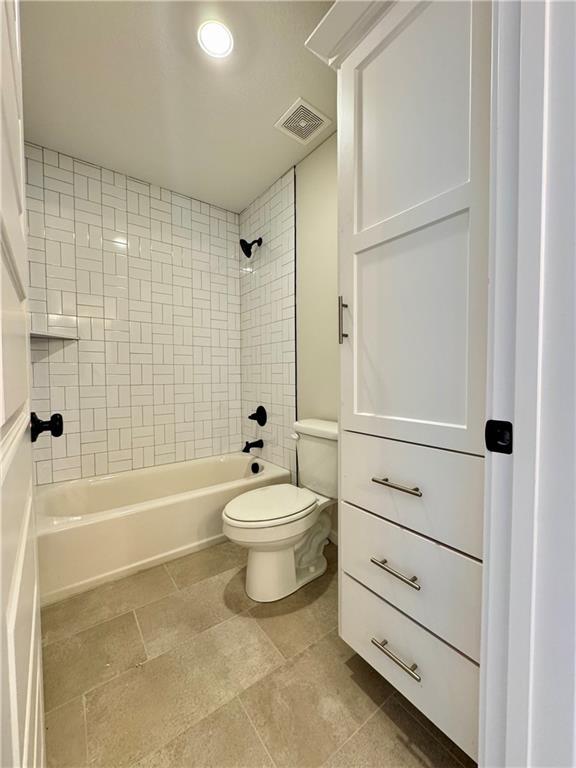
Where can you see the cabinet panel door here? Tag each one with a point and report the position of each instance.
(414, 114)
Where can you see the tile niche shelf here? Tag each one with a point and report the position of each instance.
(51, 335)
(53, 326)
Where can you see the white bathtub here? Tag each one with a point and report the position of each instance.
(102, 528)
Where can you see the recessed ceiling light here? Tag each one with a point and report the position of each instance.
(215, 39)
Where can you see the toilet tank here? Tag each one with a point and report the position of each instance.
(317, 447)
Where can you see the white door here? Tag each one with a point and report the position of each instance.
(20, 650)
(414, 154)
(528, 662)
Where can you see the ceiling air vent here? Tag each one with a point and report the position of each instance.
(302, 121)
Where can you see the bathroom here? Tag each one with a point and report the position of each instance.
(279, 355)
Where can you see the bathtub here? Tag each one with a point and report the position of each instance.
(102, 528)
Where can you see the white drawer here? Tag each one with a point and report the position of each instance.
(447, 595)
(447, 692)
(450, 508)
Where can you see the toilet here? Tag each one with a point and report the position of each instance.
(285, 527)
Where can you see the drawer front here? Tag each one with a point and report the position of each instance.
(448, 688)
(450, 509)
(436, 586)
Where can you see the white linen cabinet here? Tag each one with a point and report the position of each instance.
(414, 106)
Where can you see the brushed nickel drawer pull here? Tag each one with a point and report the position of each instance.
(410, 670)
(389, 484)
(341, 308)
(412, 581)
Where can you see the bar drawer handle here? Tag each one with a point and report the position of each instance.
(389, 484)
(412, 581)
(410, 670)
(341, 308)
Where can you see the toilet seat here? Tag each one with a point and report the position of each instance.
(270, 506)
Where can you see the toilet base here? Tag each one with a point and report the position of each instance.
(273, 573)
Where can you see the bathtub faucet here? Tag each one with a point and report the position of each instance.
(255, 444)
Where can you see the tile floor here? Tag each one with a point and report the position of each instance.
(176, 666)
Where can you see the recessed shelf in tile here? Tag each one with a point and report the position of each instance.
(42, 335)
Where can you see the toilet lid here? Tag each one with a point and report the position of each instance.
(273, 502)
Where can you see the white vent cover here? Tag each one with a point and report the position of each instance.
(302, 121)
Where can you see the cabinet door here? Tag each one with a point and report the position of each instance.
(414, 161)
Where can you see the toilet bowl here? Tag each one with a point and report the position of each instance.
(285, 527)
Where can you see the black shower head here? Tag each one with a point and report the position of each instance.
(247, 247)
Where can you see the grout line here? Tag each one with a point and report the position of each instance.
(249, 613)
(103, 621)
(256, 731)
(430, 731)
(64, 704)
(172, 579)
(271, 643)
(338, 749)
(85, 728)
(149, 657)
(118, 674)
(141, 636)
(115, 616)
(196, 636)
(378, 709)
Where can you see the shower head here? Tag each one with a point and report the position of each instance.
(247, 247)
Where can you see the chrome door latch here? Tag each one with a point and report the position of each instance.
(498, 436)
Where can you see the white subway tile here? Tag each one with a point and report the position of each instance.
(166, 385)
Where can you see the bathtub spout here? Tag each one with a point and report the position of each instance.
(255, 444)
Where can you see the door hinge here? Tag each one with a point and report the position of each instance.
(498, 435)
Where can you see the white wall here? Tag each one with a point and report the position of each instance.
(268, 322)
(149, 282)
(317, 283)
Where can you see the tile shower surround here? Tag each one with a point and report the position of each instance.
(267, 320)
(146, 284)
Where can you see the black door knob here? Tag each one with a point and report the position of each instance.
(55, 425)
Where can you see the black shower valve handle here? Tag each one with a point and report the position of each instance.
(260, 416)
(54, 425)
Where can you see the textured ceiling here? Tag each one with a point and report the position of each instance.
(125, 85)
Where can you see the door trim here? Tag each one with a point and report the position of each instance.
(528, 689)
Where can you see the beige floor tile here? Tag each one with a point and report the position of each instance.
(208, 562)
(66, 736)
(77, 664)
(225, 739)
(454, 749)
(179, 617)
(392, 739)
(147, 707)
(310, 706)
(113, 599)
(302, 618)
